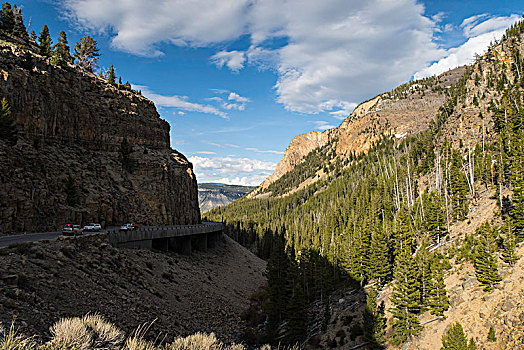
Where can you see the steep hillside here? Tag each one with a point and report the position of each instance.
(41, 283)
(430, 223)
(74, 129)
(215, 195)
(404, 111)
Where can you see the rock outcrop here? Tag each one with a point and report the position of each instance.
(406, 110)
(71, 125)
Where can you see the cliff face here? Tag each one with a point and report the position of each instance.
(72, 123)
(406, 110)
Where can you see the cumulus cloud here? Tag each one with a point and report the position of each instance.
(233, 96)
(228, 165)
(327, 54)
(234, 101)
(180, 102)
(357, 48)
(233, 60)
(481, 33)
(229, 170)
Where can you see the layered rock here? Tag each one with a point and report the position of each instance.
(72, 123)
(406, 110)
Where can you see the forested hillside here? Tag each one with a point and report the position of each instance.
(382, 217)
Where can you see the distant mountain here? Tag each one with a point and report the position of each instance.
(212, 195)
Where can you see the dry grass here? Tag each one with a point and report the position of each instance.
(93, 332)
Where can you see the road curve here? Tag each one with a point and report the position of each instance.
(6, 241)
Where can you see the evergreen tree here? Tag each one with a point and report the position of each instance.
(33, 36)
(8, 131)
(19, 29)
(491, 334)
(509, 255)
(455, 339)
(458, 186)
(485, 264)
(111, 75)
(380, 265)
(276, 274)
(374, 319)
(405, 298)
(435, 216)
(45, 42)
(61, 55)
(7, 18)
(438, 300)
(517, 212)
(86, 53)
(296, 311)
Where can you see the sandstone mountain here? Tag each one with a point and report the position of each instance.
(71, 127)
(404, 111)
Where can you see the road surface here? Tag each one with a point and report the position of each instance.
(6, 241)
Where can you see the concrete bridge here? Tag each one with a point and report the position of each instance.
(181, 239)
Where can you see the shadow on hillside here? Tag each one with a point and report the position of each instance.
(308, 299)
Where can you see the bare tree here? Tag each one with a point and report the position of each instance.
(86, 53)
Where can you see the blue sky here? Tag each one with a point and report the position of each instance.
(238, 79)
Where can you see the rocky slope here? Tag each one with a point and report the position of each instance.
(41, 283)
(214, 195)
(72, 123)
(404, 111)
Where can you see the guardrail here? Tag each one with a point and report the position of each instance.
(176, 238)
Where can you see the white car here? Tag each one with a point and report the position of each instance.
(92, 227)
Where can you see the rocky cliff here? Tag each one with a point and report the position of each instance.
(215, 195)
(71, 125)
(406, 110)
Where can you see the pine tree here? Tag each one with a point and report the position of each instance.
(435, 216)
(19, 29)
(438, 300)
(458, 186)
(518, 186)
(491, 334)
(380, 266)
(485, 264)
(33, 36)
(7, 18)
(8, 130)
(509, 254)
(61, 55)
(296, 311)
(455, 339)
(111, 75)
(403, 233)
(86, 53)
(405, 298)
(374, 319)
(45, 42)
(424, 260)
(276, 274)
(72, 194)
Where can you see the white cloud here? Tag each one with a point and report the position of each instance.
(323, 125)
(253, 149)
(331, 50)
(228, 165)
(484, 32)
(180, 102)
(229, 170)
(233, 96)
(181, 142)
(205, 152)
(231, 145)
(139, 25)
(234, 60)
(254, 180)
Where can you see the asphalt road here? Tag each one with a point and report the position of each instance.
(6, 241)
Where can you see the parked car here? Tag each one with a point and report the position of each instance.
(67, 230)
(92, 227)
(71, 230)
(128, 227)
